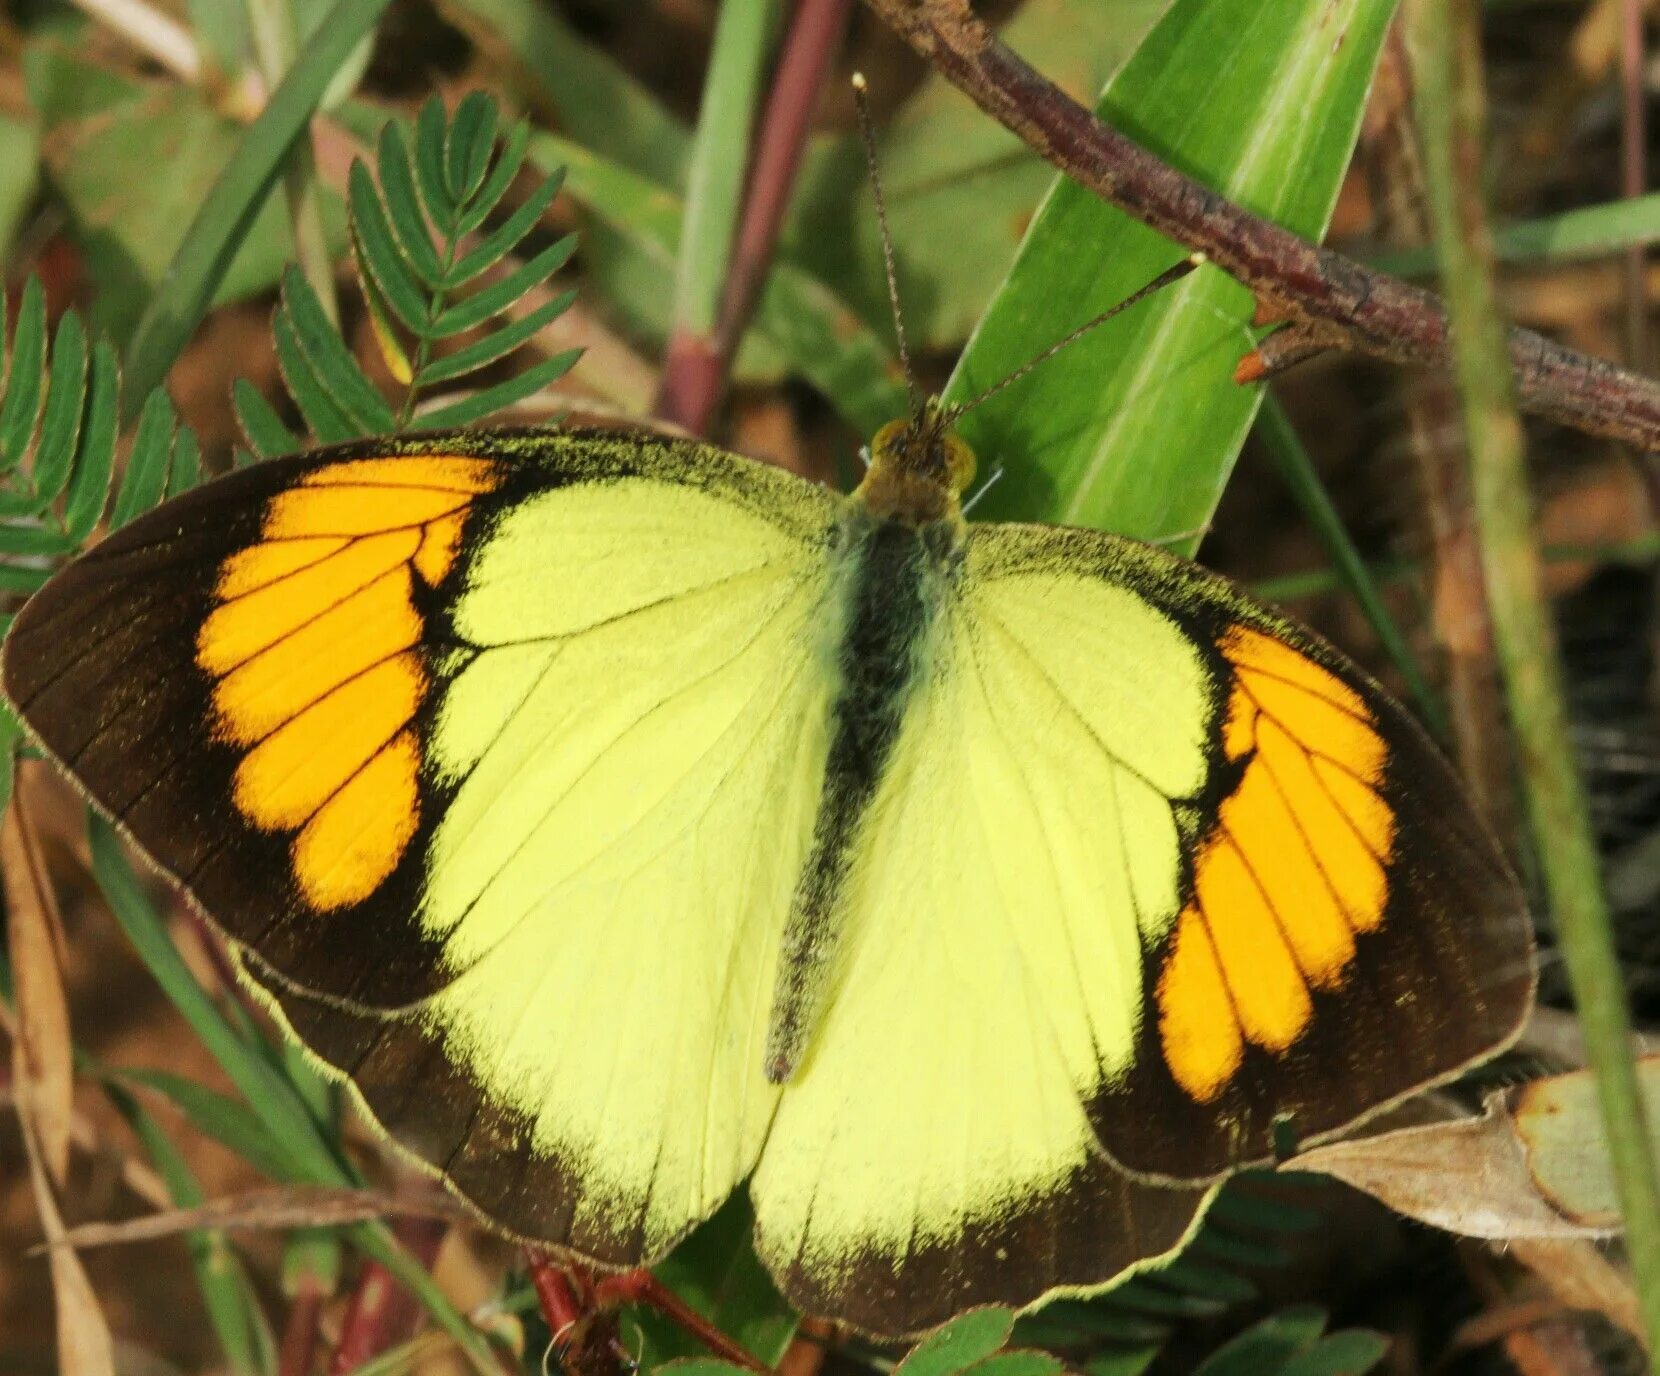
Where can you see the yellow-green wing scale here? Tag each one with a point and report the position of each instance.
(625, 819)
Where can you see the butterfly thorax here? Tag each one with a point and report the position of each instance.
(897, 550)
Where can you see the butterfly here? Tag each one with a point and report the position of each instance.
(628, 822)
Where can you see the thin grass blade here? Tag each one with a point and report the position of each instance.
(209, 245)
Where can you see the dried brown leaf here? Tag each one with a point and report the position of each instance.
(1533, 1165)
(84, 1344)
(42, 1056)
(1581, 1277)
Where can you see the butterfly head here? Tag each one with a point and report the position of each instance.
(919, 468)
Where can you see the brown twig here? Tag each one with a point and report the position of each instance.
(1329, 301)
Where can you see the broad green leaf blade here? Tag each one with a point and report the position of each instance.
(967, 1339)
(717, 1273)
(1124, 1361)
(1022, 1362)
(1268, 1345)
(1136, 428)
(1349, 1353)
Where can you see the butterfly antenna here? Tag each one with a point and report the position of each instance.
(861, 103)
(1164, 279)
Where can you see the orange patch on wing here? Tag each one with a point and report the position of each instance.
(437, 551)
(1203, 1045)
(1295, 865)
(369, 625)
(437, 471)
(313, 645)
(250, 569)
(348, 849)
(241, 627)
(295, 770)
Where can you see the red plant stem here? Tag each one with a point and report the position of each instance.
(694, 378)
(802, 65)
(381, 1312)
(696, 368)
(1331, 301)
(641, 1287)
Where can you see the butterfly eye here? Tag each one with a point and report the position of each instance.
(960, 464)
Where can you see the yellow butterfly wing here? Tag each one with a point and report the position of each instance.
(499, 757)
(1059, 961)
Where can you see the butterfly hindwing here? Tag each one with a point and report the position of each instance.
(1345, 930)
(1105, 744)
